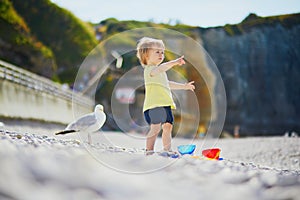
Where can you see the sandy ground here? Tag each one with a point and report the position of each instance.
(35, 164)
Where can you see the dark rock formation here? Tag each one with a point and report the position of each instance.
(259, 61)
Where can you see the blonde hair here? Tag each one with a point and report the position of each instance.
(143, 47)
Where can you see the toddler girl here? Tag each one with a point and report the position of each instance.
(158, 97)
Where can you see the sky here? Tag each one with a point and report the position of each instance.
(203, 13)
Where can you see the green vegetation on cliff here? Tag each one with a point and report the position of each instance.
(38, 35)
(112, 26)
(69, 38)
(19, 46)
(254, 21)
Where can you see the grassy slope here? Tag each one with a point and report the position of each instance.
(18, 46)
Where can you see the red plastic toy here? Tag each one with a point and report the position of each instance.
(212, 153)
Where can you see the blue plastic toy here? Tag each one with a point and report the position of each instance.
(186, 149)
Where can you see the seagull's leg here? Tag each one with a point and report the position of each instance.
(89, 139)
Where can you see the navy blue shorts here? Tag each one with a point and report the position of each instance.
(159, 115)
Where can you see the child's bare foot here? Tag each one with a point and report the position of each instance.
(149, 152)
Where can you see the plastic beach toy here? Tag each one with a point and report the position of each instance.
(186, 149)
(212, 153)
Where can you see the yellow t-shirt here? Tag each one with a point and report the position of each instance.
(158, 92)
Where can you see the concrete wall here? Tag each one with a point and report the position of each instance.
(28, 96)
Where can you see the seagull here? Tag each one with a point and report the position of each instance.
(88, 123)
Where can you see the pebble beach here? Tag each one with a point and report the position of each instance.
(36, 164)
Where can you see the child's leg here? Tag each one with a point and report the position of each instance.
(152, 135)
(167, 136)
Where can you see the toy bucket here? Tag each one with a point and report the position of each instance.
(212, 153)
(186, 149)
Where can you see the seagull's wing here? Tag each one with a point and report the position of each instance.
(83, 122)
(101, 119)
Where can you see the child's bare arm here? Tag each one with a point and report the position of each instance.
(182, 86)
(167, 65)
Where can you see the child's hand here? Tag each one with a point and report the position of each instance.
(190, 86)
(180, 61)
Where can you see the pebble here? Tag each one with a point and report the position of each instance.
(44, 167)
(269, 178)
